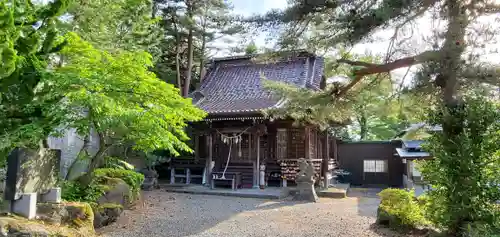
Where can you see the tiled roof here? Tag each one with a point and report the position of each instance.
(233, 85)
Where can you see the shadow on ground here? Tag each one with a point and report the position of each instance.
(367, 200)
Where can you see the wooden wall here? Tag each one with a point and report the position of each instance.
(352, 154)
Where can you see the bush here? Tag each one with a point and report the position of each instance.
(132, 178)
(465, 166)
(482, 230)
(73, 191)
(400, 210)
(116, 163)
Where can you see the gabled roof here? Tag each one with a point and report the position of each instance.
(233, 86)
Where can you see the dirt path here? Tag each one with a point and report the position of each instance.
(170, 214)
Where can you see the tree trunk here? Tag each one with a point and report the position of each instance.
(363, 129)
(190, 48)
(95, 161)
(177, 54)
(203, 44)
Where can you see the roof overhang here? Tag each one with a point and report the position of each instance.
(412, 155)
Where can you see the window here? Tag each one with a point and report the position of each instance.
(375, 166)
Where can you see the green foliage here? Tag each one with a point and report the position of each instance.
(400, 210)
(116, 163)
(154, 159)
(307, 106)
(73, 191)
(132, 178)
(118, 96)
(104, 206)
(198, 22)
(464, 172)
(372, 107)
(103, 180)
(251, 48)
(116, 25)
(24, 55)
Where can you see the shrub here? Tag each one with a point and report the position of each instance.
(465, 165)
(132, 178)
(400, 210)
(117, 163)
(73, 191)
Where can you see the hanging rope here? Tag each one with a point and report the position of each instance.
(229, 140)
(227, 162)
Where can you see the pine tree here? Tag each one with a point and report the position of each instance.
(191, 27)
(449, 65)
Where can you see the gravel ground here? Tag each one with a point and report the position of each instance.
(170, 214)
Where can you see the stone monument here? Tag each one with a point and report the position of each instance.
(305, 182)
(32, 176)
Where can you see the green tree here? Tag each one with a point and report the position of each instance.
(373, 109)
(465, 185)
(116, 25)
(251, 48)
(27, 32)
(449, 62)
(116, 94)
(191, 28)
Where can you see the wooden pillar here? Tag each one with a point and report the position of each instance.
(208, 162)
(257, 170)
(172, 175)
(196, 146)
(250, 155)
(326, 159)
(255, 149)
(307, 144)
(335, 151)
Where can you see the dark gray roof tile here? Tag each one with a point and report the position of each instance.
(234, 85)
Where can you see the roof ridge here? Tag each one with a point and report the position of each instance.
(247, 56)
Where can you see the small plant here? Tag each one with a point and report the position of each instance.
(117, 163)
(399, 209)
(132, 178)
(73, 191)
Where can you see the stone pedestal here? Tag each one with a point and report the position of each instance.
(150, 179)
(305, 192)
(305, 182)
(52, 196)
(25, 206)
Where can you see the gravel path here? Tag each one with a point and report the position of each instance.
(170, 214)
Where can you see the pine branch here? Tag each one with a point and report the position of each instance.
(370, 68)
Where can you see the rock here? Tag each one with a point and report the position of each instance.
(17, 226)
(150, 179)
(119, 193)
(73, 214)
(106, 214)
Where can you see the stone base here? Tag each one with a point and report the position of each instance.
(150, 180)
(305, 192)
(25, 206)
(52, 196)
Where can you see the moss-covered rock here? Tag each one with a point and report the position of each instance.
(106, 214)
(118, 193)
(74, 214)
(18, 226)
